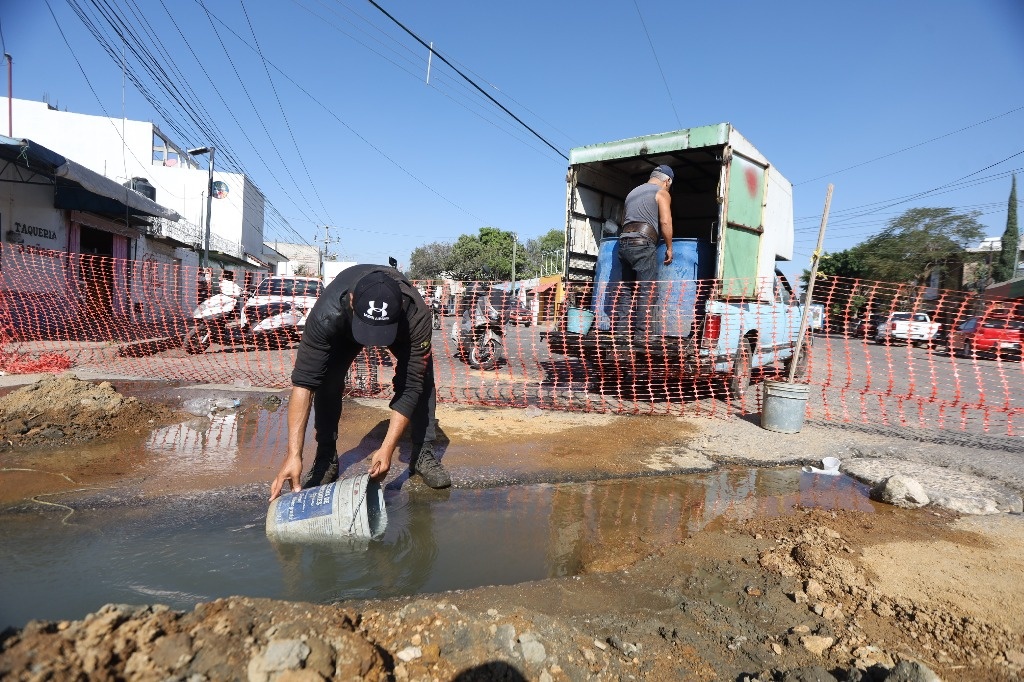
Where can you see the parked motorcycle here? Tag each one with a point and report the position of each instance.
(435, 314)
(225, 319)
(479, 334)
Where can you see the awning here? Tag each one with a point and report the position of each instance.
(544, 287)
(104, 187)
(77, 187)
(253, 260)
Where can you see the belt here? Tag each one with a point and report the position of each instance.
(640, 229)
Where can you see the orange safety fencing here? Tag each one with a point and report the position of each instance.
(696, 348)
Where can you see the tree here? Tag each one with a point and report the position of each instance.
(430, 261)
(1004, 268)
(916, 242)
(837, 285)
(530, 257)
(486, 255)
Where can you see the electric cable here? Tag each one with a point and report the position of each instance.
(657, 61)
(280, 107)
(469, 80)
(913, 146)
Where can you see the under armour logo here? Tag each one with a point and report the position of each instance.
(375, 313)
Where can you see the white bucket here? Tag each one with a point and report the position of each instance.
(830, 467)
(349, 507)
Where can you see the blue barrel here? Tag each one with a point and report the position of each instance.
(692, 260)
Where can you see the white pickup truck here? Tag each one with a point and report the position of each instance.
(915, 328)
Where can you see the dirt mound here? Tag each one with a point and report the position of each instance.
(229, 639)
(873, 625)
(62, 409)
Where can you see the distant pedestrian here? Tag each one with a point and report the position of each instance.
(647, 215)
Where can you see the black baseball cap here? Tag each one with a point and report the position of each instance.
(376, 308)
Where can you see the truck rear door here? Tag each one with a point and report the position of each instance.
(743, 220)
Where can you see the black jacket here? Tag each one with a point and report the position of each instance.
(328, 339)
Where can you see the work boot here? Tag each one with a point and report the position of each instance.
(324, 471)
(429, 468)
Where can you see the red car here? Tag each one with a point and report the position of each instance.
(996, 335)
(520, 315)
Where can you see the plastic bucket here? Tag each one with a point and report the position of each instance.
(578, 321)
(783, 405)
(349, 507)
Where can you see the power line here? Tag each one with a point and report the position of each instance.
(201, 116)
(469, 80)
(330, 112)
(255, 109)
(913, 146)
(148, 62)
(658, 62)
(466, 103)
(280, 107)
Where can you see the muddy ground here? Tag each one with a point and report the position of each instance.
(815, 595)
(64, 410)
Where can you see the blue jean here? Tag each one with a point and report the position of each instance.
(637, 295)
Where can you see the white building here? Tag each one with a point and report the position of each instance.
(57, 218)
(125, 150)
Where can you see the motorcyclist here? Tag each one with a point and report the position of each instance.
(228, 287)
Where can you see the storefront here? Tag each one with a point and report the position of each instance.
(69, 236)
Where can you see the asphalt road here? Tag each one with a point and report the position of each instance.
(854, 381)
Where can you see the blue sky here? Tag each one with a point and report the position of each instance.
(346, 132)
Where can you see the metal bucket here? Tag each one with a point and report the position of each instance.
(578, 321)
(349, 507)
(783, 405)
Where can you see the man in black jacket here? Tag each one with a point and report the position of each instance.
(365, 305)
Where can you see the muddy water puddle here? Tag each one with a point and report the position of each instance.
(181, 550)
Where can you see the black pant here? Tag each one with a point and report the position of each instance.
(327, 402)
(637, 295)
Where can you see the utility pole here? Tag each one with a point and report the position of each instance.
(515, 239)
(209, 200)
(10, 95)
(325, 253)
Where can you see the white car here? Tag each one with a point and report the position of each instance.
(282, 294)
(915, 328)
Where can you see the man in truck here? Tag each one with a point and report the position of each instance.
(648, 214)
(365, 305)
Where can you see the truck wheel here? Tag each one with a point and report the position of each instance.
(197, 340)
(740, 380)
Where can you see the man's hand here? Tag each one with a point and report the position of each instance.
(380, 463)
(291, 471)
(668, 255)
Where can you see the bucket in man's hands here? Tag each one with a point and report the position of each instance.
(578, 321)
(349, 507)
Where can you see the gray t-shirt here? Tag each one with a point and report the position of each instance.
(641, 205)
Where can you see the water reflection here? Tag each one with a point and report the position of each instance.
(180, 551)
(218, 443)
